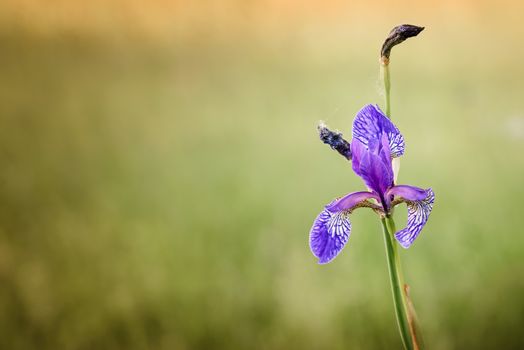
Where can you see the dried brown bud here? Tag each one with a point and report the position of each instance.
(396, 36)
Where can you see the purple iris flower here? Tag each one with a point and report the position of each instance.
(376, 141)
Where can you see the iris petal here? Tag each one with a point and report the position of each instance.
(418, 214)
(410, 193)
(349, 201)
(358, 149)
(375, 167)
(329, 234)
(370, 123)
(331, 229)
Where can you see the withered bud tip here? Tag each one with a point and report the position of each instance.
(335, 140)
(396, 36)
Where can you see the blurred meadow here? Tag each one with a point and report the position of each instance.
(161, 171)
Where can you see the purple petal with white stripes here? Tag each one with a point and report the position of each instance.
(329, 234)
(370, 123)
(331, 229)
(418, 214)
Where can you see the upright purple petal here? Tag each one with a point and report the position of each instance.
(374, 166)
(358, 149)
(418, 214)
(331, 229)
(370, 123)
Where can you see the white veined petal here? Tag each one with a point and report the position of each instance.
(418, 214)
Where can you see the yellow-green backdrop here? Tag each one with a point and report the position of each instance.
(160, 171)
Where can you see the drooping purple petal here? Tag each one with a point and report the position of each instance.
(410, 193)
(418, 214)
(331, 229)
(329, 234)
(349, 201)
(370, 123)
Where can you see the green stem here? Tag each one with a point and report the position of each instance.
(404, 310)
(397, 283)
(384, 68)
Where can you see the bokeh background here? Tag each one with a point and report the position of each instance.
(160, 171)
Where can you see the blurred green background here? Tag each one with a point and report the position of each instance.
(161, 171)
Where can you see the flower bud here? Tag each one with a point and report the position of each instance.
(334, 140)
(396, 36)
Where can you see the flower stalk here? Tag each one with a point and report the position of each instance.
(384, 72)
(374, 152)
(405, 322)
(404, 309)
